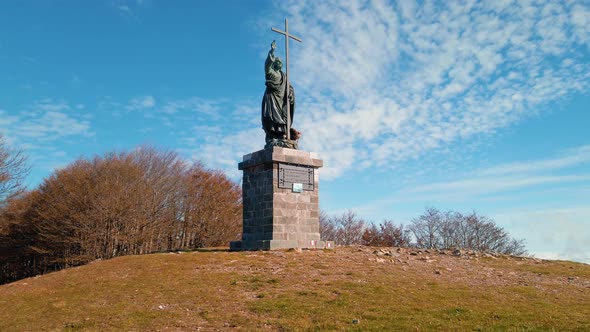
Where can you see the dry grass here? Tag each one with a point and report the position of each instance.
(303, 291)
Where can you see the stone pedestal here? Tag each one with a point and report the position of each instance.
(280, 199)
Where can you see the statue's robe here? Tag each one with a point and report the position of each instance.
(274, 105)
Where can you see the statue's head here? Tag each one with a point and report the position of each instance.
(277, 64)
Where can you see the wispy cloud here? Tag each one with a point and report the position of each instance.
(501, 182)
(45, 129)
(381, 83)
(44, 121)
(562, 232)
(51, 105)
(141, 103)
(517, 175)
(577, 156)
(223, 151)
(129, 8)
(7, 120)
(219, 138)
(193, 105)
(52, 125)
(489, 185)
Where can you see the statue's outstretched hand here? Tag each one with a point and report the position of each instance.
(273, 45)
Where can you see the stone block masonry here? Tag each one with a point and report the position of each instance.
(280, 217)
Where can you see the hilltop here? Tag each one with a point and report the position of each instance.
(350, 288)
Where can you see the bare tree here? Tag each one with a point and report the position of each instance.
(386, 234)
(514, 247)
(392, 235)
(448, 230)
(350, 229)
(372, 236)
(118, 204)
(327, 227)
(212, 209)
(13, 170)
(434, 229)
(426, 228)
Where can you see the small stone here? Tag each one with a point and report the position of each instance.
(356, 321)
(437, 272)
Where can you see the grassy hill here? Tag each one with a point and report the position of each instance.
(352, 288)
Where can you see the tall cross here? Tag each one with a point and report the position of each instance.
(287, 36)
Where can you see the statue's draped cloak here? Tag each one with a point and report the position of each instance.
(274, 106)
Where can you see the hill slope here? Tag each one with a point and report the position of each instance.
(352, 288)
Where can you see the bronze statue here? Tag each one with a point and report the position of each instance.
(274, 103)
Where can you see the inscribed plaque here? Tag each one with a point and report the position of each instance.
(290, 174)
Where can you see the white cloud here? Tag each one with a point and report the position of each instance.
(493, 184)
(193, 105)
(51, 105)
(559, 233)
(554, 177)
(52, 125)
(223, 152)
(379, 83)
(43, 121)
(141, 103)
(511, 176)
(383, 83)
(580, 19)
(575, 156)
(124, 8)
(129, 8)
(7, 120)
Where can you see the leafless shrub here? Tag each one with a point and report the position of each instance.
(13, 170)
(349, 228)
(434, 229)
(327, 227)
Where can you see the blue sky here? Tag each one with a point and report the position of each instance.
(458, 105)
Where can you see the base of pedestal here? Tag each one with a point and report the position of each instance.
(280, 244)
